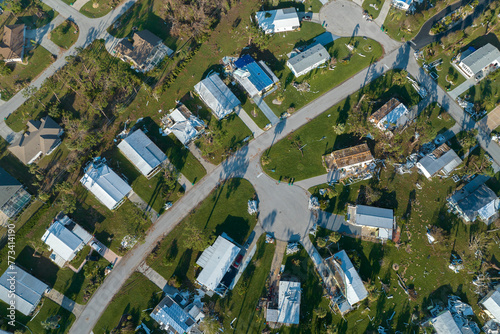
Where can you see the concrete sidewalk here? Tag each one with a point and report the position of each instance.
(242, 114)
(209, 167)
(78, 4)
(463, 87)
(65, 302)
(141, 204)
(262, 105)
(156, 278)
(383, 13)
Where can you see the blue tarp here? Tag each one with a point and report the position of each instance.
(257, 77)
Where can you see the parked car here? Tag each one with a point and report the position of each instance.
(237, 261)
(96, 246)
(307, 18)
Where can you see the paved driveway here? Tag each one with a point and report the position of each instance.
(345, 18)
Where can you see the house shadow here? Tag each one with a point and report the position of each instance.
(41, 267)
(236, 227)
(183, 267)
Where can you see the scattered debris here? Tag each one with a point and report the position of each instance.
(292, 248)
(252, 207)
(313, 203)
(269, 239)
(128, 241)
(302, 87)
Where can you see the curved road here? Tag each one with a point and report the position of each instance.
(423, 37)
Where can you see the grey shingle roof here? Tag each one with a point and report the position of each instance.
(481, 58)
(309, 57)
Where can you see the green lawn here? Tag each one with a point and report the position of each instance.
(318, 138)
(228, 135)
(419, 263)
(35, 14)
(50, 309)
(322, 79)
(137, 297)
(486, 94)
(65, 35)
(449, 78)
(37, 60)
(403, 28)
(224, 210)
(437, 117)
(372, 11)
(98, 8)
(143, 15)
(152, 190)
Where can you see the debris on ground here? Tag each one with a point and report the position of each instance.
(128, 241)
(302, 87)
(269, 239)
(292, 248)
(313, 203)
(252, 207)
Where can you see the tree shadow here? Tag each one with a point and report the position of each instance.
(183, 267)
(40, 267)
(236, 227)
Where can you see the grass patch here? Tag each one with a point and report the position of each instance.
(37, 60)
(318, 136)
(227, 137)
(137, 294)
(98, 8)
(486, 94)
(322, 80)
(438, 118)
(35, 14)
(143, 15)
(80, 256)
(446, 72)
(401, 27)
(419, 262)
(371, 10)
(224, 210)
(242, 302)
(65, 35)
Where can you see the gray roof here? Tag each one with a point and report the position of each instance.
(475, 203)
(481, 58)
(374, 217)
(9, 186)
(445, 324)
(217, 96)
(314, 55)
(491, 302)
(28, 292)
(170, 314)
(354, 288)
(446, 162)
(142, 152)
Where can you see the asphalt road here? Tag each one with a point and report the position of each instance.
(423, 37)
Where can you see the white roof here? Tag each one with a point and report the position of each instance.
(28, 292)
(62, 241)
(482, 57)
(289, 302)
(105, 184)
(445, 324)
(374, 217)
(308, 59)
(278, 20)
(446, 162)
(184, 128)
(491, 302)
(142, 152)
(355, 290)
(215, 261)
(217, 96)
(391, 119)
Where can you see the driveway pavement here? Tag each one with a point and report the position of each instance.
(345, 18)
(65, 302)
(464, 86)
(383, 13)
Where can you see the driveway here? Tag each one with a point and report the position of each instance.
(353, 24)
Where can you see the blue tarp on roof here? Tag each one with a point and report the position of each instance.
(257, 77)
